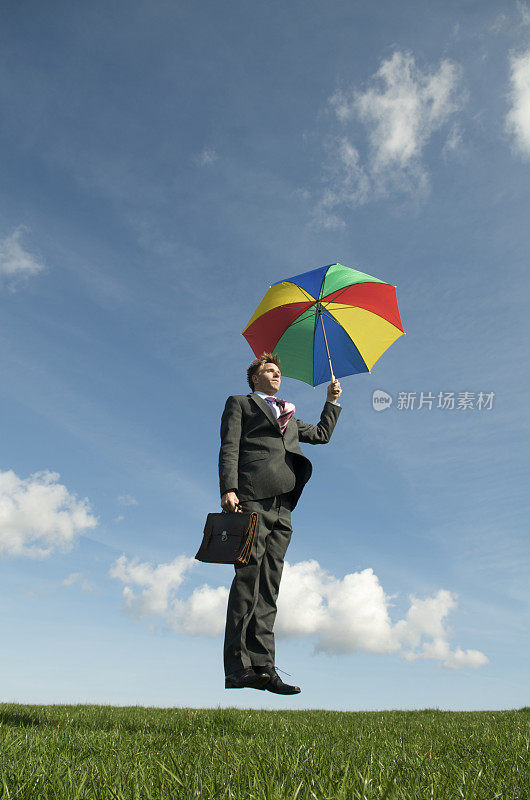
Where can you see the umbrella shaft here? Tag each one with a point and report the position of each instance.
(326, 343)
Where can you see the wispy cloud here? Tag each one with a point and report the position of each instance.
(498, 23)
(342, 615)
(16, 263)
(518, 117)
(127, 500)
(453, 143)
(206, 157)
(76, 578)
(400, 111)
(39, 515)
(524, 11)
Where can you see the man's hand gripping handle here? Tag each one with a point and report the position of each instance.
(230, 502)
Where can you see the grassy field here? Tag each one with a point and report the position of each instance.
(100, 752)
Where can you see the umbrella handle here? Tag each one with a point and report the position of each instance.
(326, 342)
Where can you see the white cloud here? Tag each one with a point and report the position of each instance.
(342, 615)
(518, 117)
(400, 111)
(440, 650)
(203, 613)
(405, 111)
(425, 618)
(158, 581)
(39, 515)
(15, 262)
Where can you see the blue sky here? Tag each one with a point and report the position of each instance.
(162, 164)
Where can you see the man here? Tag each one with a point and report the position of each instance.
(262, 468)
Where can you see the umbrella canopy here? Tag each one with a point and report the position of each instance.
(334, 309)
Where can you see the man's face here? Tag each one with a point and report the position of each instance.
(268, 379)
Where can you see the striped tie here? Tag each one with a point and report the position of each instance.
(286, 411)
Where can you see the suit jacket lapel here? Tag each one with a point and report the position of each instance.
(265, 407)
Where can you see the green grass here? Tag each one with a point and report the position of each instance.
(100, 752)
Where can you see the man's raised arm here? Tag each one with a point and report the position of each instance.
(321, 432)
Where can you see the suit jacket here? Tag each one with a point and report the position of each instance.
(255, 460)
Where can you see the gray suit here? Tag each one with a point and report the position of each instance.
(268, 472)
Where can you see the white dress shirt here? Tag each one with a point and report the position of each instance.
(276, 408)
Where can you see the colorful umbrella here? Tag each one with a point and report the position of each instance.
(332, 311)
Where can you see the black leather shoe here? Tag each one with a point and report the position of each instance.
(247, 679)
(275, 683)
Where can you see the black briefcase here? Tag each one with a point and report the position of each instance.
(228, 538)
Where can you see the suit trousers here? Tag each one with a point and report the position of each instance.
(251, 612)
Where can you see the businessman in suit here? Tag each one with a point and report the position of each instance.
(262, 468)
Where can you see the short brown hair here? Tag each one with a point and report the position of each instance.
(265, 358)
